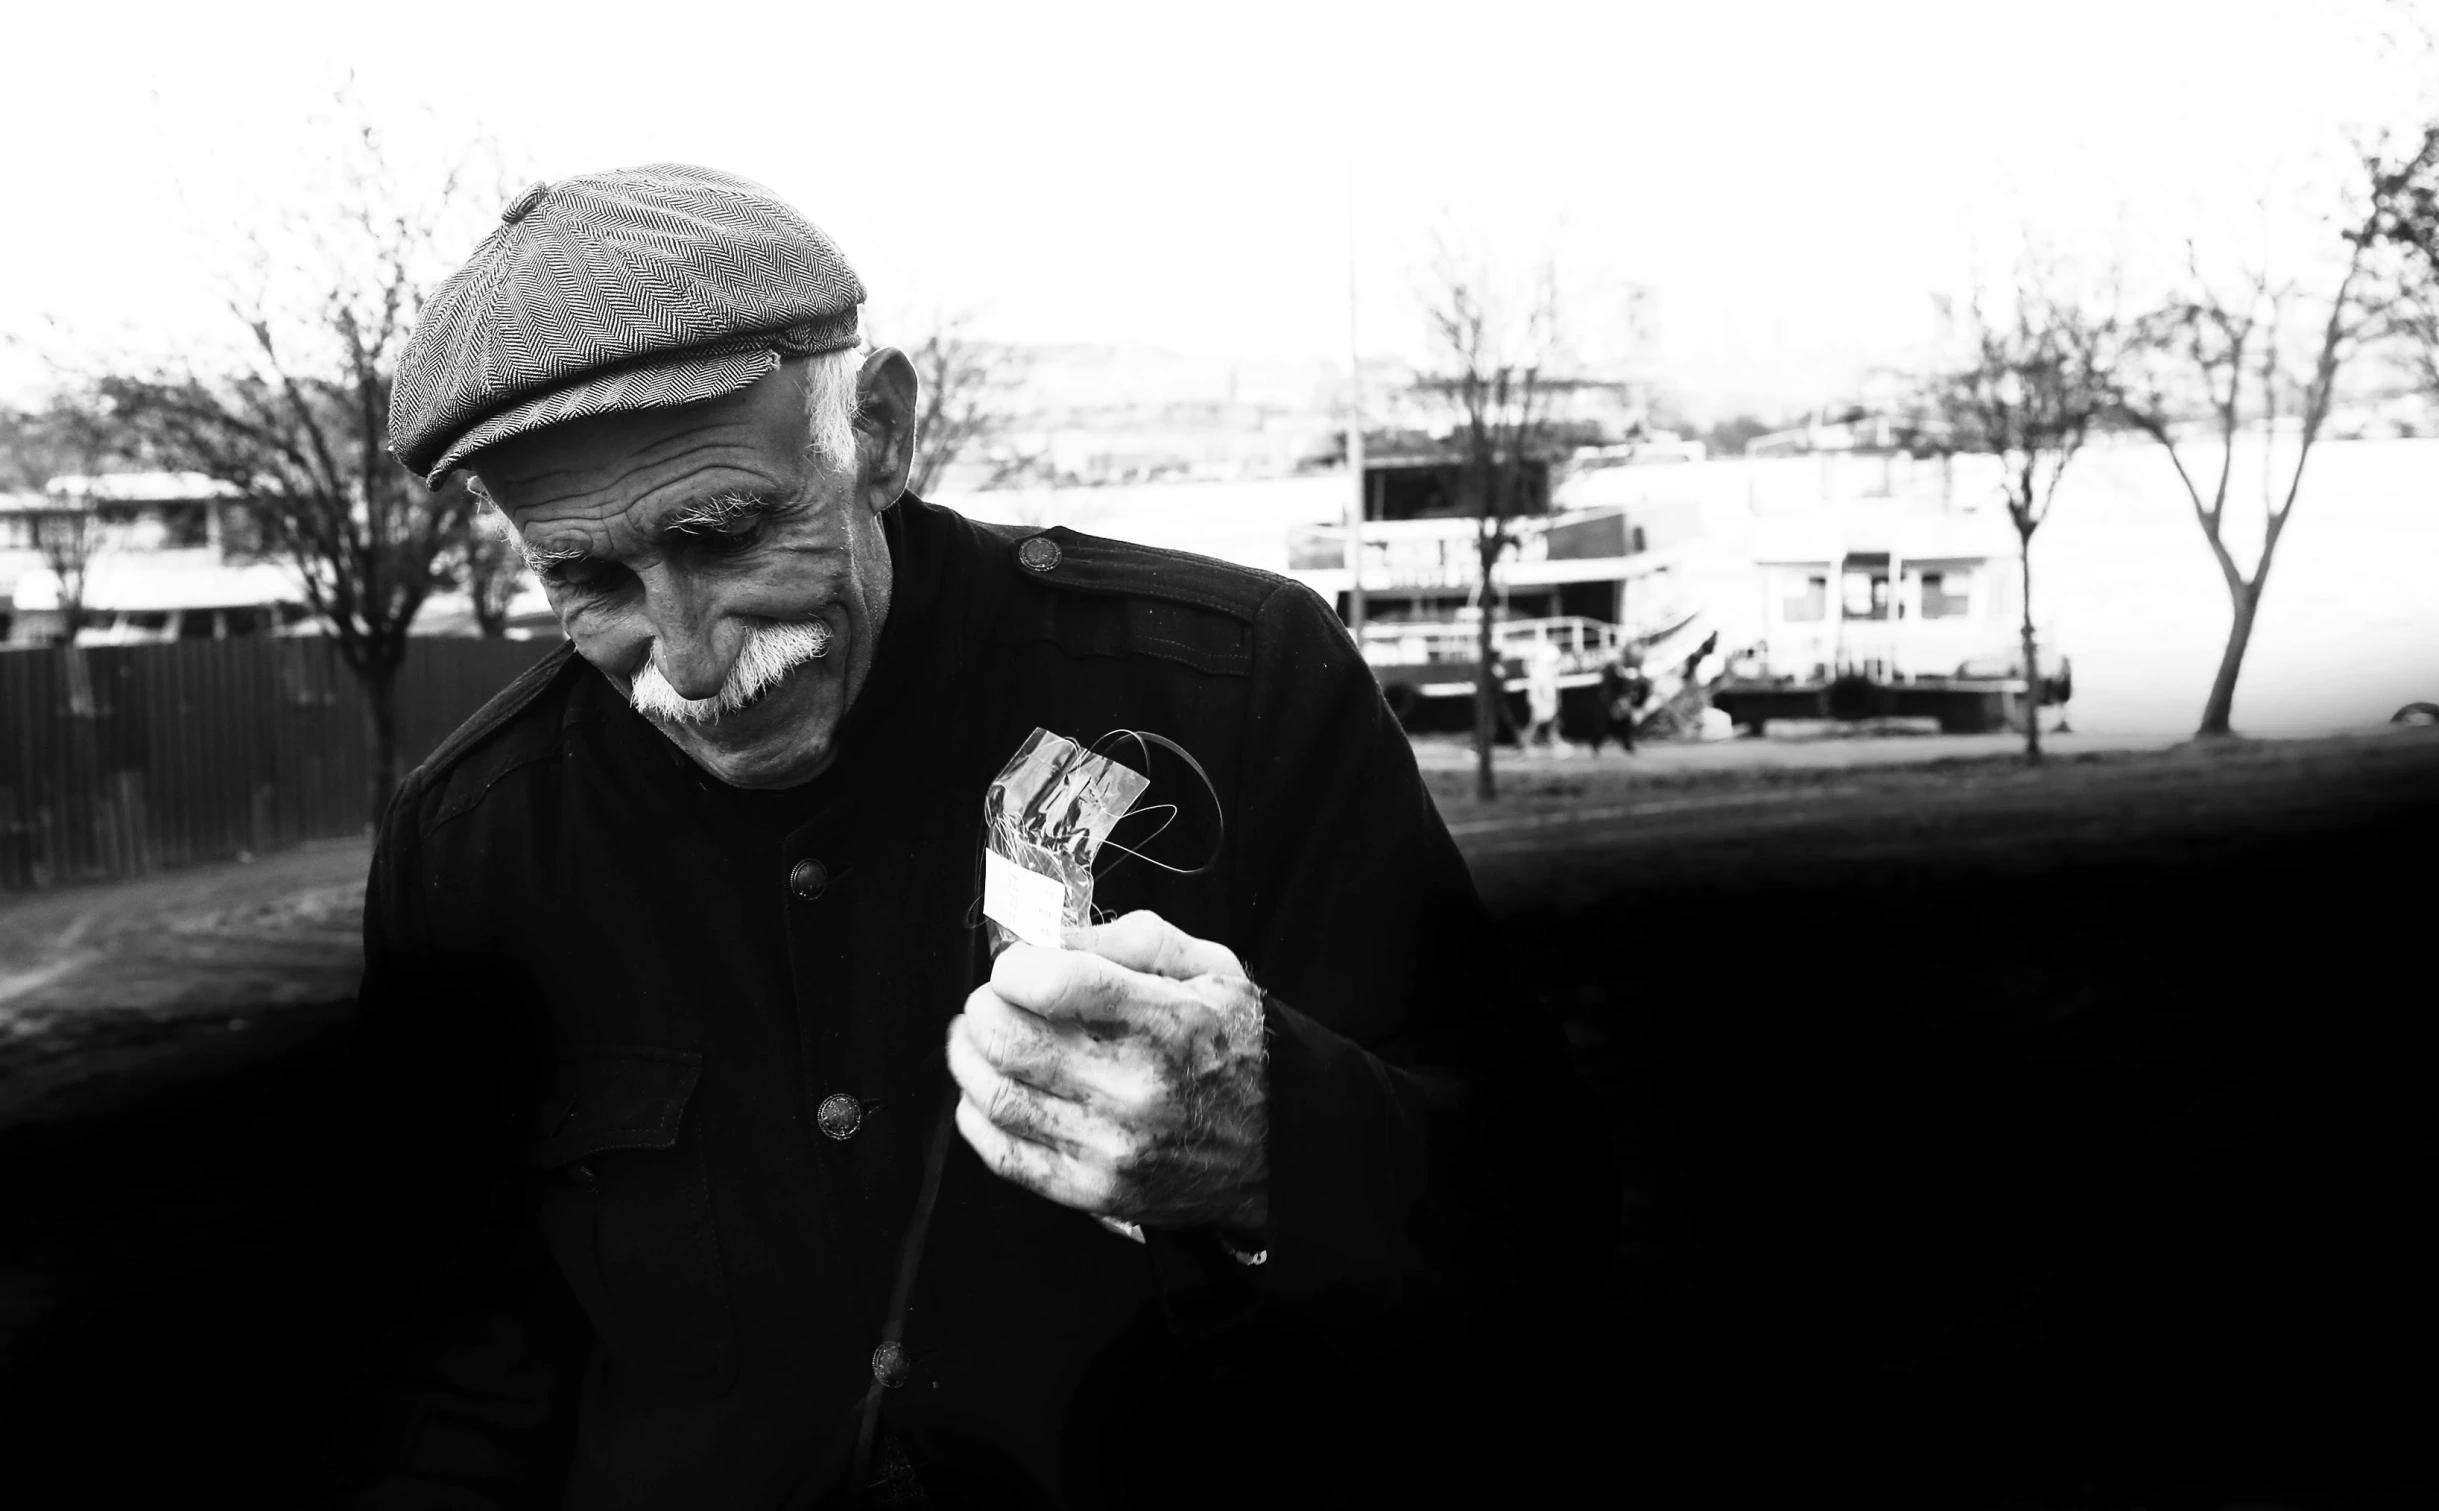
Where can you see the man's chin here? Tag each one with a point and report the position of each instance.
(781, 741)
(761, 765)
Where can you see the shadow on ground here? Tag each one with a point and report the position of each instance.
(166, 1269)
(2015, 1139)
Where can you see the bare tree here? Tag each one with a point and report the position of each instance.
(967, 387)
(2250, 354)
(297, 420)
(1493, 369)
(37, 445)
(2042, 374)
(2406, 201)
(64, 440)
(68, 531)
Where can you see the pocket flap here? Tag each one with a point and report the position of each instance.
(614, 1099)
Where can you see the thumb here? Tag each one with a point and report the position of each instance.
(1144, 941)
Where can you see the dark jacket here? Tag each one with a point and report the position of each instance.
(604, 996)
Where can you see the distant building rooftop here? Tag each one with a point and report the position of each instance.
(138, 487)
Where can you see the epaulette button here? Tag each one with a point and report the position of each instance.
(1039, 553)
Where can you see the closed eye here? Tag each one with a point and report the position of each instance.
(570, 570)
(720, 511)
(722, 539)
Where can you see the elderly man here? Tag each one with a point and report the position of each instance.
(710, 1158)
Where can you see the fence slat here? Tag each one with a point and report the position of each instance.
(121, 759)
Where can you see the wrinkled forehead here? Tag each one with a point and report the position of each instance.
(604, 468)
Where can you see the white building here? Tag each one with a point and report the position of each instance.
(162, 557)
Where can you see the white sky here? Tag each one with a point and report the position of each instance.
(1793, 181)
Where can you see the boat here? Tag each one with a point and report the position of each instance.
(1861, 585)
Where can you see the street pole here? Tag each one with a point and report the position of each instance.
(1355, 501)
(1355, 512)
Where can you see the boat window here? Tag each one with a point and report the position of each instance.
(153, 620)
(246, 621)
(1947, 595)
(1808, 606)
(195, 624)
(1866, 596)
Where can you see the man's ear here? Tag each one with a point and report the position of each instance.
(886, 391)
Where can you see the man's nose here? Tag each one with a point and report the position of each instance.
(686, 643)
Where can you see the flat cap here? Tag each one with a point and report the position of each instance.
(631, 289)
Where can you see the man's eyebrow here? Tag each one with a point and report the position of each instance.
(720, 510)
(541, 560)
(713, 512)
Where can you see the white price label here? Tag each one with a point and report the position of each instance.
(1025, 903)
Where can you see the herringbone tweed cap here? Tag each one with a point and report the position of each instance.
(631, 289)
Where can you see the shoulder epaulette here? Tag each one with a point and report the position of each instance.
(504, 706)
(1147, 601)
(1063, 558)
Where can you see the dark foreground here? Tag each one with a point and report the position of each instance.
(2001, 1138)
(1990, 1139)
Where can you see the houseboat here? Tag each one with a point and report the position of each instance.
(1830, 587)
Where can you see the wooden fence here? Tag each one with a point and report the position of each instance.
(116, 761)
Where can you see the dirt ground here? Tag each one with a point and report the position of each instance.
(1988, 1136)
(97, 983)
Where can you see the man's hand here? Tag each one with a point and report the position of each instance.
(1122, 1076)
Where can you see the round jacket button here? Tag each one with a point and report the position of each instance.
(839, 1115)
(889, 1365)
(806, 879)
(1039, 553)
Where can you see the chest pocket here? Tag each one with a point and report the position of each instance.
(626, 1207)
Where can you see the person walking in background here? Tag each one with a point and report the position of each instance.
(1613, 711)
(1541, 695)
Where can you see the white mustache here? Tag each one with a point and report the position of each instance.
(771, 652)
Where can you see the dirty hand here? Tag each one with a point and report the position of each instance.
(1122, 1076)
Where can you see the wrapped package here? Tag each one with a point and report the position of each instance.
(1044, 819)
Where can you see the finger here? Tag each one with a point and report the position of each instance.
(1075, 986)
(1064, 1059)
(1145, 941)
(1044, 1171)
(1022, 1044)
(1028, 1112)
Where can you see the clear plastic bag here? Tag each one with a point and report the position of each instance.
(1043, 820)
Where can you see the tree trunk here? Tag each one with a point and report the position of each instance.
(2032, 663)
(490, 615)
(381, 731)
(1487, 693)
(2222, 704)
